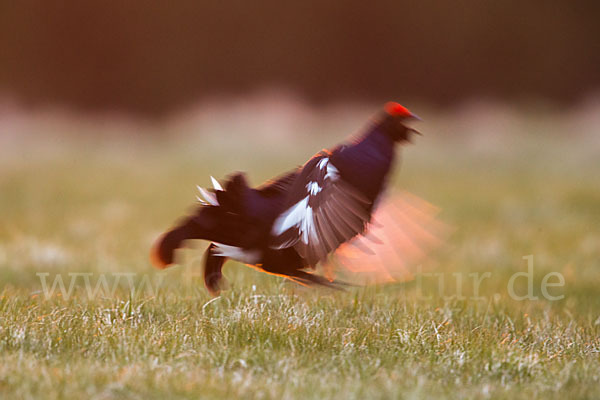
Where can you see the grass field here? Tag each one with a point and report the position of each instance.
(77, 197)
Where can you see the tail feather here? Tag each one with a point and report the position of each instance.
(208, 197)
(210, 223)
(234, 196)
(162, 254)
(221, 218)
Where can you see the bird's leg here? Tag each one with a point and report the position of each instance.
(213, 264)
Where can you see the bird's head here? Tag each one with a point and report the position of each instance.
(394, 119)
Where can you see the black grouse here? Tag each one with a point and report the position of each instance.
(288, 225)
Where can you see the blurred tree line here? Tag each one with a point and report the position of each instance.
(154, 55)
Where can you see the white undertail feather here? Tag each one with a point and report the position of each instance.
(237, 253)
(216, 184)
(201, 201)
(209, 198)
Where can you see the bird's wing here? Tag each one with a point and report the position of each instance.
(281, 184)
(322, 212)
(403, 231)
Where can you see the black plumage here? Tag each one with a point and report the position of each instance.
(288, 225)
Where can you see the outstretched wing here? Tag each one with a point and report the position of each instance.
(404, 230)
(279, 185)
(322, 212)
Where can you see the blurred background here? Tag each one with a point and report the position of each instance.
(155, 57)
(112, 111)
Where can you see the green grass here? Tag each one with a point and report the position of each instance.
(509, 186)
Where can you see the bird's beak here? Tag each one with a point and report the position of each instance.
(415, 131)
(415, 116)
